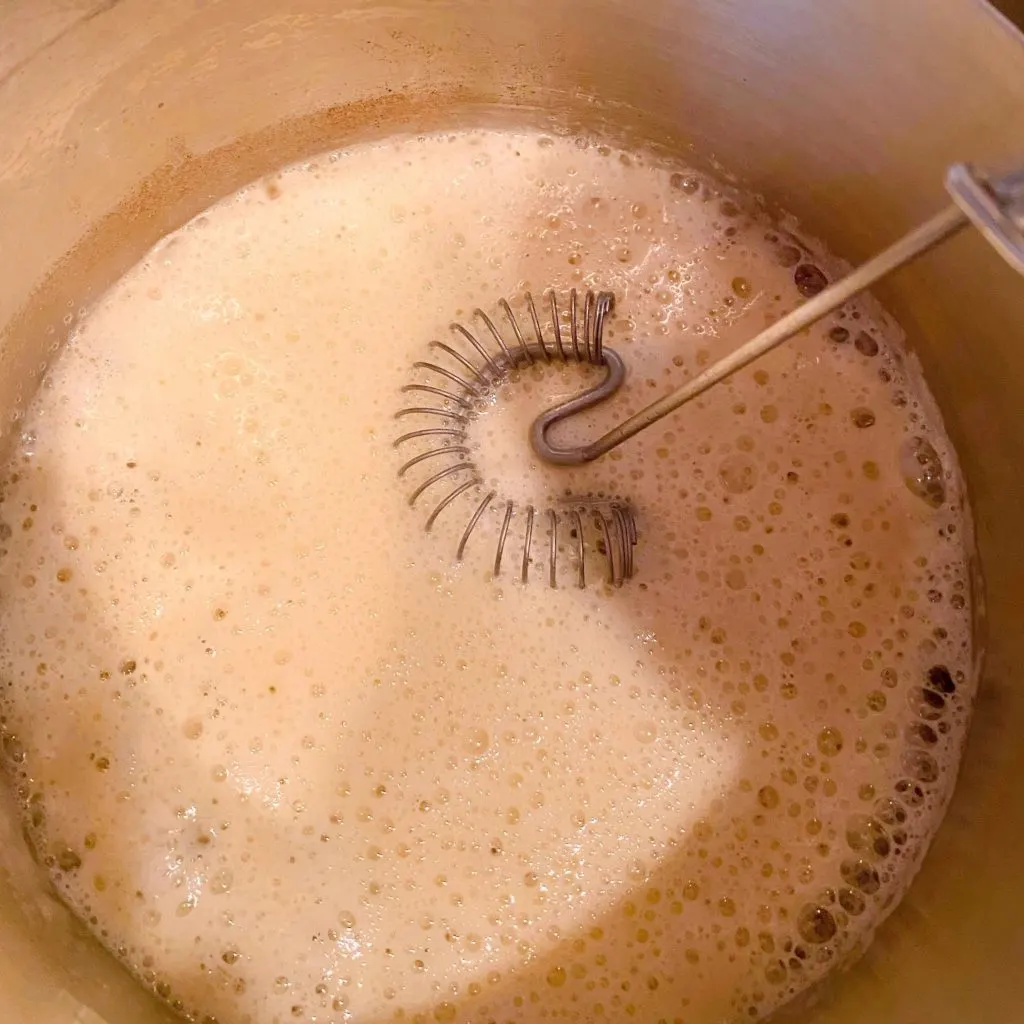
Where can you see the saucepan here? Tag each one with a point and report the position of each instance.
(120, 119)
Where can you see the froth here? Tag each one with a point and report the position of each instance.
(291, 764)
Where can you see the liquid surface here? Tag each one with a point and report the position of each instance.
(292, 763)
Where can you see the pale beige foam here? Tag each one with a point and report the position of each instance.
(292, 764)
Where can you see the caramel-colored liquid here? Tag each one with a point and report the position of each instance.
(293, 764)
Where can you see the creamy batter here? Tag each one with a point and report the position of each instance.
(291, 763)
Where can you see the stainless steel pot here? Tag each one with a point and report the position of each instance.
(121, 118)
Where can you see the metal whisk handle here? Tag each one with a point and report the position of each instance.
(995, 207)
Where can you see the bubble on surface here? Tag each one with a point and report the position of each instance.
(922, 470)
(816, 924)
(865, 344)
(809, 280)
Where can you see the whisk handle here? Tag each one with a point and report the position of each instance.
(906, 249)
(995, 206)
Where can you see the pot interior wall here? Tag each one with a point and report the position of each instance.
(120, 119)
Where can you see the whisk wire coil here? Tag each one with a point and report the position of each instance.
(485, 359)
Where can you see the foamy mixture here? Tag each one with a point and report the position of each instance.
(293, 763)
